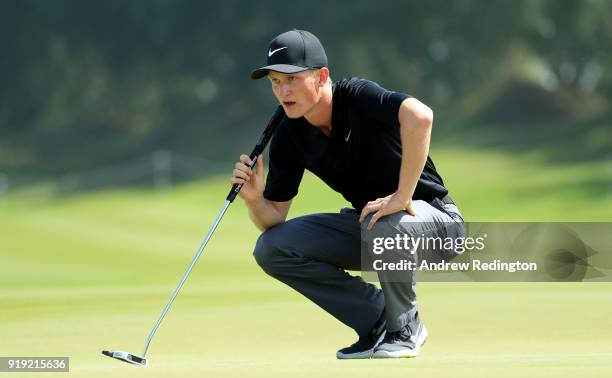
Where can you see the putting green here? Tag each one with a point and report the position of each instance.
(93, 272)
(259, 328)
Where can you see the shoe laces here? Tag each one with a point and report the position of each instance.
(401, 335)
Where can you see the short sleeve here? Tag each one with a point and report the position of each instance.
(284, 171)
(377, 103)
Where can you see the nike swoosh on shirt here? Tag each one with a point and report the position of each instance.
(346, 139)
(271, 52)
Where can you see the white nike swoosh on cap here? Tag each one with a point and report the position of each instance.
(271, 52)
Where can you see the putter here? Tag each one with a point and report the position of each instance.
(259, 147)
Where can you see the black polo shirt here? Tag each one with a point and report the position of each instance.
(361, 157)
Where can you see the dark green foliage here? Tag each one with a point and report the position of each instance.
(88, 83)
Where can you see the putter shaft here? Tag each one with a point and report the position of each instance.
(276, 119)
(189, 268)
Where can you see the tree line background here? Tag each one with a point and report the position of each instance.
(88, 83)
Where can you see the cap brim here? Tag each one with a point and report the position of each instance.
(284, 68)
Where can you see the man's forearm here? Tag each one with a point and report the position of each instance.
(264, 214)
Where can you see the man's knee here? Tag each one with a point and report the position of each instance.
(268, 253)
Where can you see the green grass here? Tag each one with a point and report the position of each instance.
(92, 272)
(262, 329)
(489, 185)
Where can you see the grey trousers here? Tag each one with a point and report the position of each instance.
(312, 253)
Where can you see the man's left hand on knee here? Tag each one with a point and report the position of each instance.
(390, 204)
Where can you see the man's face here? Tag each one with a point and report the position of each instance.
(298, 93)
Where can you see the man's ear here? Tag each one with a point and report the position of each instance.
(323, 75)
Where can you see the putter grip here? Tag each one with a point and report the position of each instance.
(265, 137)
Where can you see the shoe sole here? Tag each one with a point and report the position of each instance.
(361, 355)
(407, 353)
(355, 356)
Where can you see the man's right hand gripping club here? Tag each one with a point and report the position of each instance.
(263, 213)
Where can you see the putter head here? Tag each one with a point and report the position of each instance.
(126, 357)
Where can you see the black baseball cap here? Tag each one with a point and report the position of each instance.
(293, 51)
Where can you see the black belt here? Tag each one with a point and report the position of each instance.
(447, 200)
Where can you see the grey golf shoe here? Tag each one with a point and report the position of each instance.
(364, 347)
(405, 343)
